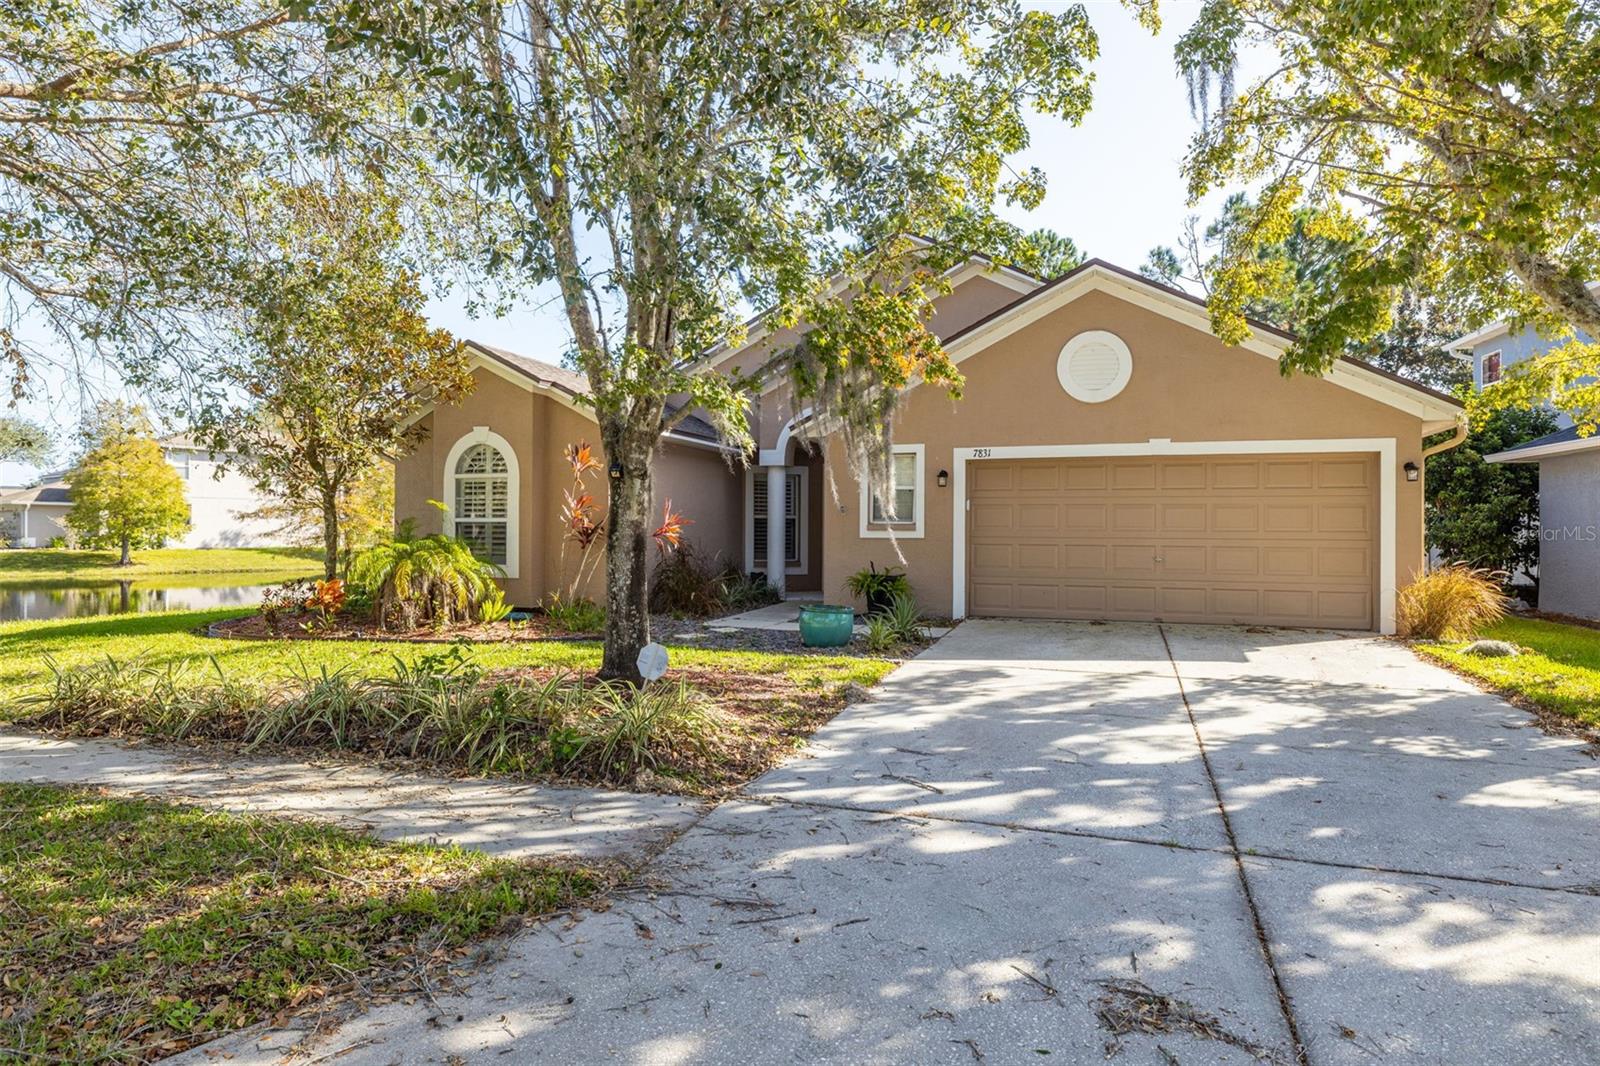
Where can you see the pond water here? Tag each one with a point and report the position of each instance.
(44, 601)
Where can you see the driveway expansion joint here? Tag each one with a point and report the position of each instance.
(1264, 941)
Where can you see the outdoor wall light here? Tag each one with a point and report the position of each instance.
(944, 478)
(616, 471)
(1413, 471)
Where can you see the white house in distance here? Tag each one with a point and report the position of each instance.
(33, 517)
(1569, 477)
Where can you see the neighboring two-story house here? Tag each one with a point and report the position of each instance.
(1569, 477)
(34, 516)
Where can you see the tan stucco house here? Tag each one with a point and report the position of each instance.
(1111, 459)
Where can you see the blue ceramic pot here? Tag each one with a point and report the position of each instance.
(826, 625)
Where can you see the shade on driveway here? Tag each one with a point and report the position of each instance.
(1014, 853)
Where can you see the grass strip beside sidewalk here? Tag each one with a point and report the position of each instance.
(131, 929)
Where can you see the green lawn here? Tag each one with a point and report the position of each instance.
(134, 928)
(171, 637)
(31, 565)
(1559, 669)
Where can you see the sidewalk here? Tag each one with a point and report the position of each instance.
(499, 817)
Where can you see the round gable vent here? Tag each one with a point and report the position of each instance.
(1094, 366)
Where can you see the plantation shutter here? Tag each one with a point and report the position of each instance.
(482, 502)
(791, 520)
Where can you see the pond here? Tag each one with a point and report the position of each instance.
(77, 599)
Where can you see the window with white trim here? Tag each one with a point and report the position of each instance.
(482, 502)
(902, 492)
(1491, 368)
(793, 491)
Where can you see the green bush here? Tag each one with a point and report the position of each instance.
(878, 587)
(687, 584)
(899, 624)
(574, 615)
(430, 581)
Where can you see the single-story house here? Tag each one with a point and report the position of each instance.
(36, 515)
(1569, 474)
(1111, 459)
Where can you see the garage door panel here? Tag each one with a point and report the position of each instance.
(1038, 517)
(1343, 518)
(1344, 562)
(993, 517)
(1084, 516)
(1236, 561)
(1139, 476)
(1188, 560)
(1183, 517)
(1284, 540)
(1291, 562)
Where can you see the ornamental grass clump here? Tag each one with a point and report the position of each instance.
(442, 708)
(1450, 603)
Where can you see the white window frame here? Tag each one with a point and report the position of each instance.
(753, 564)
(447, 490)
(1483, 368)
(1385, 448)
(900, 529)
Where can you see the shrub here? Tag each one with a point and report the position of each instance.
(1450, 603)
(636, 725)
(434, 581)
(440, 707)
(285, 599)
(880, 636)
(744, 592)
(574, 615)
(900, 623)
(878, 587)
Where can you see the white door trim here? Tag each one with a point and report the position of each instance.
(1384, 447)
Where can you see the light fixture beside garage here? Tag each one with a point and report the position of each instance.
(1094, 366)
(1413, 471)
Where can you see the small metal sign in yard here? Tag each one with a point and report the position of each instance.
(652, 661)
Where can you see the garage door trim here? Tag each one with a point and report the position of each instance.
(1384, 447)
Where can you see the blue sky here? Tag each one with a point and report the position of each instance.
(1114, 181)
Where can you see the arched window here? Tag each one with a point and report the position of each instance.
(482, 494)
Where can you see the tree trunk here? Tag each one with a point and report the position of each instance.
(627, 547)
(330, 535)
(127, 559)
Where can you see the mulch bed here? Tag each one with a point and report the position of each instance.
(254, 627)
(701, 633)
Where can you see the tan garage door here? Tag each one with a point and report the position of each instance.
(1275, 539)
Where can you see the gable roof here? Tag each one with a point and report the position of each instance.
(573, 386)
(1438, 410)
(973, 264)
(1561, 442)
(1467, 341)
(52, 490)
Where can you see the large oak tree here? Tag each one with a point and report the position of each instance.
(1451, 144)
(674, 163)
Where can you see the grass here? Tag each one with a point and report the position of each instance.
(1558, 671)
(171, 637)
(33, 565)
(132, 928)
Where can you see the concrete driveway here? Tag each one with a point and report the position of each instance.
(1016, 853)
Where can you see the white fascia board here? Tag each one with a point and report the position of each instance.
(1533, 455)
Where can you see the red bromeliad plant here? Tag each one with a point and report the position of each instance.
(583, 521)
(669, 534)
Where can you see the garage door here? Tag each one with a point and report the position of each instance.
(1276, 539)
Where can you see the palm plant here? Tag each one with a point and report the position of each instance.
(427, 581)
